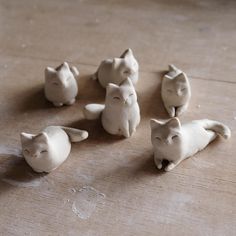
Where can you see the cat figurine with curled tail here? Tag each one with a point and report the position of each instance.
(175, 91)
(60, 84)
(175, 142)
(120, 115)
(47, 150)
(116, 70)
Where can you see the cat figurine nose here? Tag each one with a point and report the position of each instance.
(35, 155)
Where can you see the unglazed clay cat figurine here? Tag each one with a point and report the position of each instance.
(116, 70)
(175, 91)
(60, 84)
(120, 115)
(50, 148)
(175, 142)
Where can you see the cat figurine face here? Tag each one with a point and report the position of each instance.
(50, 148)
(175, 91)
(116, 70)
(60, 84)
(175, 142)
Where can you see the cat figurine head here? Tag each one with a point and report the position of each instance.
(177, 86)
(121, 95)
(165, 134)
(126, 65)
(35, 146)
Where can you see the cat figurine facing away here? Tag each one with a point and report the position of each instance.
(116, 70)
(50, 148)
(175, 91)
(120, 115)
(60, 84)
(175, 142)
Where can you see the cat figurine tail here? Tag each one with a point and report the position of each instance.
(93, 111)
(75, 135)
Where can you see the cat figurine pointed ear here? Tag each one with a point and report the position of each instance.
(50, 148)
(116, 70)
(175, 142)
(60, 84)
(175, 91)
(120, 115)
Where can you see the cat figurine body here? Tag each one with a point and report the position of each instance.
(175, 91)
(50, 148)
(116, 70)
(175, 142)
(60, 84)
(120, 115)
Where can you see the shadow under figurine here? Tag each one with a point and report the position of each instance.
(60, 84)
(116, 70)
(121, 114)
(50, 148)
(175, 142)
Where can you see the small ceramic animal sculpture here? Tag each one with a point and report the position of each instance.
(60, 84)
(120, 115)
(175, 142)
(50, 148)
(116, 70)
(175, 91)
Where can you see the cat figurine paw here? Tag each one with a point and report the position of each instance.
(116, 70)
(120, 115)
(175, 91)
(60, 84)
(47, 150)
(175, 142)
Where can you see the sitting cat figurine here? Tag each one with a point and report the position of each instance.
(175, 142)
(116, 70)
(50, 148)
(120, 115)
(60, 84)
(175, 91)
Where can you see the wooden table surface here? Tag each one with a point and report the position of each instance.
(110, 186)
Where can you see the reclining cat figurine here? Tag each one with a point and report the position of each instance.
(50, 148)
(175, 142)
(116, 70)
(60, 84)
(175, 91)
(120, 115)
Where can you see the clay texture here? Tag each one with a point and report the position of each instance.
(116, 70)
(50, 148)
(60, 84)
(120, 115)
(175, 142)
(175, 91)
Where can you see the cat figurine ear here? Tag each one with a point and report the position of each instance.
(112, 87)
(116, 70)
(127, 82)
(60, 84)
(51, 147)
(175, 91)
(175, 142)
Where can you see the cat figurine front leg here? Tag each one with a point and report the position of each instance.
(175, 91)
(50, 148)
(175, 142)
(61, 85)
(116, 70)
(121, 114)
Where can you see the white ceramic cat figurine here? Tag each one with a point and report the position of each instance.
(50, 148)
(175, 142)
(116, 70)
(120, 115)
(60, 84)
(175, 91)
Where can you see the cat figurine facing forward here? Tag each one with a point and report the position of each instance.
(50, 148)
(60, 84)
(120, 115)
(175, 142)
(175, 91)
(116, 70)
